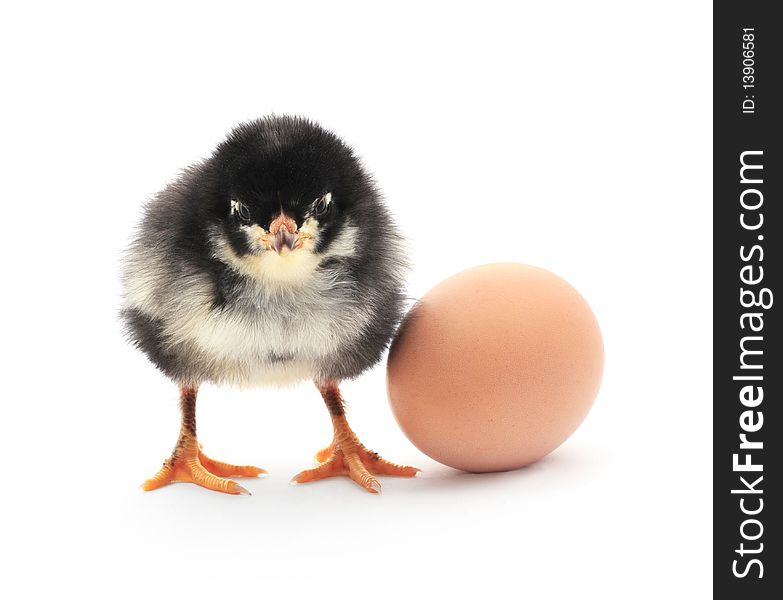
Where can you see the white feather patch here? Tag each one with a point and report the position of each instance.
(292, 317)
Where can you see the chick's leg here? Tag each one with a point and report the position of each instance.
(346, 455)
(189, 464)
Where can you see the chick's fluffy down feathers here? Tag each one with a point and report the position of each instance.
(204, 310)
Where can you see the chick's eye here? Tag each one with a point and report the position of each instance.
(322, 205)
(240, 209)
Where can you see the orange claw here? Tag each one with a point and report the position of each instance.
(324, 453)
(222, 469)
(346, 455)
(193, 466)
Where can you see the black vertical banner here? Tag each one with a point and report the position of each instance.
(748, 366)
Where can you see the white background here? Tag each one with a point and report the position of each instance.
(582, 130)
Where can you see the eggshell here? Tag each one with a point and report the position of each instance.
(495, 367)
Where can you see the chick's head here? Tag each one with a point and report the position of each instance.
(289, 195)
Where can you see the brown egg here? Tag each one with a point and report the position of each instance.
(495, 367)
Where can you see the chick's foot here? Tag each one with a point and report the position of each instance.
(346, 455)
(189, 464)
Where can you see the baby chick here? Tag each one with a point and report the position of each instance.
(273, 261)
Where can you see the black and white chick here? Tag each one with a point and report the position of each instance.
(275, 260)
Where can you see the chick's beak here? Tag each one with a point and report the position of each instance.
(284, 233)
